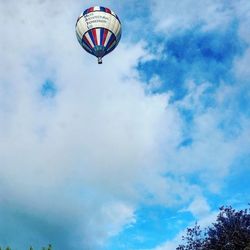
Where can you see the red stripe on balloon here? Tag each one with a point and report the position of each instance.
(91, 9)
(111, 40)
(87, 41)
(108, 10)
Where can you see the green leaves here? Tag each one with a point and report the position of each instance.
(230, 231)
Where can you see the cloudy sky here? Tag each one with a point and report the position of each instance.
(124, 155)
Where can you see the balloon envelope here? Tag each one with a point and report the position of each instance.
(98, 30)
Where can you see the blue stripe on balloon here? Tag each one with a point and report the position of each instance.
(101, 35)
(85, 12)
(119, 36)
(118, 18)
(86, 47)
(92, 37)
(86, 44)
(112, 47)
(111, 40)
(102, 9)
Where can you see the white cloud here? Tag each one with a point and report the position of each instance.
(216, 137)
(199, 207)
(241, 66)
(242, 10)
(76, 159)
(171, 16)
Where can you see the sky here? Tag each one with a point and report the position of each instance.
(125, 155)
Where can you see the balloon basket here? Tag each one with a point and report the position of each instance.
(99, 60)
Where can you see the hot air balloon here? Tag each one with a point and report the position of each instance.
(98, 30)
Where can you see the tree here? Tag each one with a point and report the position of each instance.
(231, 231)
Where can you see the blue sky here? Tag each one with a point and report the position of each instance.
(128, 154)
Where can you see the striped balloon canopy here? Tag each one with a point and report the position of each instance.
(98, 30)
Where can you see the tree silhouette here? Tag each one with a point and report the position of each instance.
(231, 231)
